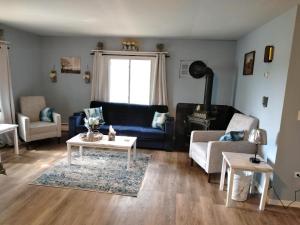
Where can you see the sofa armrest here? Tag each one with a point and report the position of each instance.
(169, 127)
(57, 120)
(215, 149)
(24, 130)
(74, 122)
(206, 135)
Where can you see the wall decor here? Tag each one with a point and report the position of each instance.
(53, 75)
(99, 45)
(249, 63)
(87, 75)
(130, 45)
(160, 47)
(70, 65)
(184, 68)
(269, 54)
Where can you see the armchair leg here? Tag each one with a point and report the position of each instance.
(192, 162)
(58, 140)
(208, 177)
(27, 145)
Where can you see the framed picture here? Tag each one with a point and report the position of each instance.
(184, 68)
(249, 63)
(70, 65)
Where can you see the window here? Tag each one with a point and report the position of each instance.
(130, 79)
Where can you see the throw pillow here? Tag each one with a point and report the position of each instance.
(159, 120)
(94, 112)
(46, 114)
(233, 136)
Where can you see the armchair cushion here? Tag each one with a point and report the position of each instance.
(46, 114)
(31, 106)
(42, 127)
(233, 136)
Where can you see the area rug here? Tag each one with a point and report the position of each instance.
(97, 170)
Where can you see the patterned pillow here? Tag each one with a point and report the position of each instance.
(159, 120)
(46, 114)
(94, 112)
(233, 136)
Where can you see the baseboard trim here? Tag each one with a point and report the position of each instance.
(285, 202)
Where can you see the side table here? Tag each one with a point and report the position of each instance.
(240, 161)
(4, 128)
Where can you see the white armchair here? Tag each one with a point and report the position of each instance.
(206, 149)
(30, 127)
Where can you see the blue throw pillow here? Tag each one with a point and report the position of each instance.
(46, 114)
(94, 112)
(233, 136)
(159, 120)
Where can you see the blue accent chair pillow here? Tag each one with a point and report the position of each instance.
(159, 120)
(233, 136)
(94, 112)
(46, 114)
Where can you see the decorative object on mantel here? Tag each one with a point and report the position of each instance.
(111, 133)
(199, 69)
(70, 65)
(160, 47)
(53, 75)
(269, 54)
(249, 60)
(258, 137)
(87, 75)
(99, 45)
(130, 45)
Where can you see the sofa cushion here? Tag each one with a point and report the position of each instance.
(143, 133)
(42, 127)
(129, 114)
(159, 120)
(94, 112)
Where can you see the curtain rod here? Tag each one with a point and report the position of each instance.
(128, 53)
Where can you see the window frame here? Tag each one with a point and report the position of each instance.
(127, 57)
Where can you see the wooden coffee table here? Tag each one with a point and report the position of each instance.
(123, 143)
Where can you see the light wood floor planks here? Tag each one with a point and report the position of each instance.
(173, 193)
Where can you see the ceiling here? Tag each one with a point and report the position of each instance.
(205, 19)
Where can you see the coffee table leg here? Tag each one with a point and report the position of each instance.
(134, 151)
(229, 190)
(16, 141)
(69, 154)
(128, 157)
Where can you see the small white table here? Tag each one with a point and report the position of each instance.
(240, 161)
(120, 143)
(5, 128)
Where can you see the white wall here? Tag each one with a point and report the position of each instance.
(71, 94)
(288, 154)
(25, 63)
(250, 89)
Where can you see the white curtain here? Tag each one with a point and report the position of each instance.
(158, 93)
(7, 108)
(99, 79)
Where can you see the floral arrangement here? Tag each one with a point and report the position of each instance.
(92, 123)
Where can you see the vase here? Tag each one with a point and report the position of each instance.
(90, 135)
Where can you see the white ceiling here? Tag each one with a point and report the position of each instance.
(205, 19)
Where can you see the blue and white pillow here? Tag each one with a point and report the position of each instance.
(159, 120)
(46, 114)
(233, 136)
(94, 112)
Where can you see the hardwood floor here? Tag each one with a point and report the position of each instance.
(172, 193)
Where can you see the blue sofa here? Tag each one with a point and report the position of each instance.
(130, 120)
